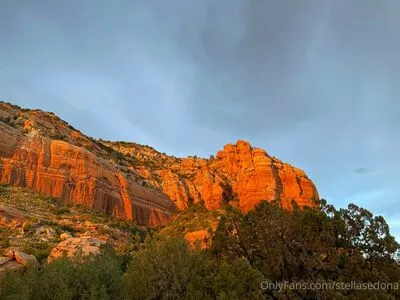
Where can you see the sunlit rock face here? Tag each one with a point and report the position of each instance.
(239, 175)
(77, 176)
(135, 182)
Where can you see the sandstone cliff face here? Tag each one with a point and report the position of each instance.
(72, 173)
(135, 182)
(241, 176)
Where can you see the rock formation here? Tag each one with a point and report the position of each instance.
(76, 175)
(201, 239)
(16, 260)
(239, 175)
(134, 182)
(76, 246)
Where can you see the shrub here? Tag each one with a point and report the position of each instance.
(268, 243)
(96, 277)
(168, 270)
(4, 237)
(62, 211)
(5, 242)
(41, 250)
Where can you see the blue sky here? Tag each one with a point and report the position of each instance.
(315, 83)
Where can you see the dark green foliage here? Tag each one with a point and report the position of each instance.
(39, 249)
(64, 227)
(10, 120)
(195, 218)
(311, 245)
(3, 189)
(62, 211)
(238, 280)
(168, 269)
(4, 237)
(267, 244)
(93, 278)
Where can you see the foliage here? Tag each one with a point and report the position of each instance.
(310, 245)
(168, 269)
(195, 217)
(4, 237)
(39, 249)
(269, 243)
(94, 278)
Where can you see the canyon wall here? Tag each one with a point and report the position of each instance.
(135, 182)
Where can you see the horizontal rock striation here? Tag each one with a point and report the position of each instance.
(241, 176)
(135, 182)
(59, 169)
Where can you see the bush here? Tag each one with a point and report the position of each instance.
(62, 211)
(5, 242)
(167, 270)
(4, 237)
(41, 250)
(311, 245)
(268, 243)
(238, 280)
(96, 277)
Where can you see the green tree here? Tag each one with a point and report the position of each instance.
(94, 277)
(310, 245)
(168, 270)
(238, 280)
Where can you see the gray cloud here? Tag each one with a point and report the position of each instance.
(362, 170)
(315, 83)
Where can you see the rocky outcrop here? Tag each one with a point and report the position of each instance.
(26, 260)
(135, 182)
(255, 176)
(8, 264)
(17, 260)
(239, 175)
(75, 246)
(199, 239)
(74, 174)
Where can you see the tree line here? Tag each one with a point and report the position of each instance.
(268, 244)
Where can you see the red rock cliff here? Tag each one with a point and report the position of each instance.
(239, 175)
(77, 176)
(135, 182)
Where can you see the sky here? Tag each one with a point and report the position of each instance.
(315, 83)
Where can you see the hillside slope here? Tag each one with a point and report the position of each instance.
(40, 151)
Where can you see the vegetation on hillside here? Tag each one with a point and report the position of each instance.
(196, 217)
(38, 221)
(269, 244)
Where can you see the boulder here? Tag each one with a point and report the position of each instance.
(74, 246)
(46, 233)
(4, 260)
(199, 238)
(16, 260)
(26, 260)
(11, 265)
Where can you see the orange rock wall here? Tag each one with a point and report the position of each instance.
(137, 182)
(72, 173)
(240, 175)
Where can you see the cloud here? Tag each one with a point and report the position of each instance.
(313, 82)
(362, 170)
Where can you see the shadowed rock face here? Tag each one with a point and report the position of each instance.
(135, 182)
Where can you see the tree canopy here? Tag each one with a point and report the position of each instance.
(268, 244)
